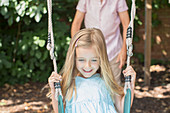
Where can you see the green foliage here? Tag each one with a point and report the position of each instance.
(16, 11)
(23, 36)
(161, 62)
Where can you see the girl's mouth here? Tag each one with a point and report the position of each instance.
(88, 71)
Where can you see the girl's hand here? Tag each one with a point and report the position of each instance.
(54, 77)
(130, 71)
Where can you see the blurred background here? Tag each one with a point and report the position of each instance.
(25, 63)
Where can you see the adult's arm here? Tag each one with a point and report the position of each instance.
(124, 17)
(78, 18)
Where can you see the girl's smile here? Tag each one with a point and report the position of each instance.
(87, 71)
(87, 61)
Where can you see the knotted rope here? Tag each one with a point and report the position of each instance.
(129, 39)
(50, 46)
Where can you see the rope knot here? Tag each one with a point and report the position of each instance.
(49, 42)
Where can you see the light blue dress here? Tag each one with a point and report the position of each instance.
(92, 97)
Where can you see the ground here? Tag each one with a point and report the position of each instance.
(29, 98)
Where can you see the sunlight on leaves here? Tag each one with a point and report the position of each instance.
(4, 3)
(44, 10)
(4, 11)
(38, 17)
(37, 41)
(24, 47)
(0, 44)
(68, 40)
(41, 43)
(32, 11)
(18, 19)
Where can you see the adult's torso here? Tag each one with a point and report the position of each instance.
(104, 16)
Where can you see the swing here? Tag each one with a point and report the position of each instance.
(129, 38)
(50, 47)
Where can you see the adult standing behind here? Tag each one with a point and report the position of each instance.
(106, 15)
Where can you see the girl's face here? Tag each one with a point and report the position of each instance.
(87, 61)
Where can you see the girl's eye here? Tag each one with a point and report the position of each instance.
(81, 60)
(94, 60)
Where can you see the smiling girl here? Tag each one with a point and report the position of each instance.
(88, 84)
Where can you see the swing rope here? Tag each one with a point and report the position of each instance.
(50, 43)
(129, 39)
(50, 47)
(129, 34)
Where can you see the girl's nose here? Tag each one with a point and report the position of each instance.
(88, 64)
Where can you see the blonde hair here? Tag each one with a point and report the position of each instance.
(85, 38)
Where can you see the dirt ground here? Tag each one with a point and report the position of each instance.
(28, 98)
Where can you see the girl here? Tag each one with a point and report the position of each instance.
(88, 84)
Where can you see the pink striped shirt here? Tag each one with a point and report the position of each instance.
(104, 16)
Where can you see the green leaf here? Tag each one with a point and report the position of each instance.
(4, 3)
(45, 55)
(44, 10)
(29, 75)
(32, 53)
(10, 21)
(139, 22)
(32, 14)
(38, 17)
(27, 21)
(38, 54)
(36, 40)
(42, 67)
(7, 63)
(41, 43)
(4, 11)
(18, 7)
(18, 19)
(32, 11)
(6, 16)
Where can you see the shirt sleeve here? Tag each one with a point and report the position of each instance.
(122, 6)
(81, 6)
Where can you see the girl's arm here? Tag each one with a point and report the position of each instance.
(54, 102)
(54, 78)
(119, 102)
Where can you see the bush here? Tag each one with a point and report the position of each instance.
(23, 53)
